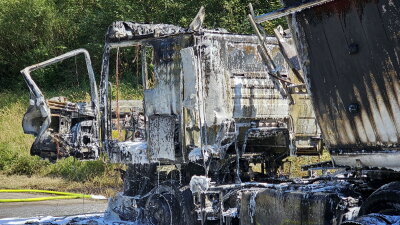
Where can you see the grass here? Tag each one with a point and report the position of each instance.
(292, 165)
(106, 187)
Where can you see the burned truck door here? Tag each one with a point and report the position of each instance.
(190, 104)
(163, 99)
(160, 104)
(62, 128)
(162, 89)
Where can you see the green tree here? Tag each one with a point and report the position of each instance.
(33, 31)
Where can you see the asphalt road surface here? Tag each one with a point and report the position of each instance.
(48, 208)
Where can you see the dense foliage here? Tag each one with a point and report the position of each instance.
(33, 31)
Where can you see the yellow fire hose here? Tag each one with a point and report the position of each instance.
(64, 195)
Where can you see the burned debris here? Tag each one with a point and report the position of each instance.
(348, 52)
(64, 128)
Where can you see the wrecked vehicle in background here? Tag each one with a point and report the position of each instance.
(64, 128)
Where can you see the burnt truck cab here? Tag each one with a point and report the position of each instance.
(62, 128)
(208, 92)
(211, 108)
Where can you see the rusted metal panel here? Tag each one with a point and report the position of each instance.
(349, 52)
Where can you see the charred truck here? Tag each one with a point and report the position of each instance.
(219, 115)
(62, 128)
(214, 109)
(221, 111)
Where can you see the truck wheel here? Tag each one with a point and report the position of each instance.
(162, 209)
(385, 200)
(167, 205)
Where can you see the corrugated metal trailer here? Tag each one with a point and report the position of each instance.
(349, 51)
(349, 55)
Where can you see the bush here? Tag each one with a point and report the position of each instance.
(76, 170)
(6, 156)
(26, 165)
(13, 162)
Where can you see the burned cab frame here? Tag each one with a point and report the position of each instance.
(212, 110)
(209, 89)
(62, 128)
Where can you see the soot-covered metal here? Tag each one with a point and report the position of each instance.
(350, 51)
(63, 128)
(217, 106)
(212, 109)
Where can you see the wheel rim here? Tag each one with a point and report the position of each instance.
(159, 209)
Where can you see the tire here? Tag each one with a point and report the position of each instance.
(385, 200)
(167, 205)
(162, 209)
